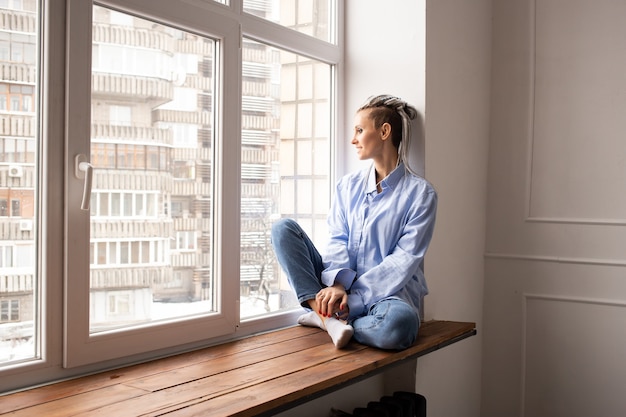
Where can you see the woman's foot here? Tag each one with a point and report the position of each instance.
(340, 332)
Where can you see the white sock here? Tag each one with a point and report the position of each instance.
(311, 319)
(339, 331)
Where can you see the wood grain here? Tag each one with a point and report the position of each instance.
(250, 377)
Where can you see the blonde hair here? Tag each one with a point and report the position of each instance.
(398, 113)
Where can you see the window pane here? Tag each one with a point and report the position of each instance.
(18, 152)
(285, 164)
(146, 117)
(312, 17)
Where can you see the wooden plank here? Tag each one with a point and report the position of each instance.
(292, 389)
(283, 392)
(223, 383)
(81, 404)
(228, 363)
(100, 380)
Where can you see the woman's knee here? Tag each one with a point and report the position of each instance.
(400, 337)
(390, 324)
(281, 227)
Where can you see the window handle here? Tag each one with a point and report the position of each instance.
(83, 170)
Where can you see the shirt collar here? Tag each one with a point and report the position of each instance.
(390, 181)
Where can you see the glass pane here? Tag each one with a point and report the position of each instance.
(19, 143)
(285, 169)
(312, 17)
(152, 134)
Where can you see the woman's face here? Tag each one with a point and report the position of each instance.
(367, 139)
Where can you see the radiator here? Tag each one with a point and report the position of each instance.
(400, 404)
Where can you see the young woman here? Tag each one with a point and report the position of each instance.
(370, 282)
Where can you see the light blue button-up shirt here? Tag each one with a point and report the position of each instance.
(378, 240)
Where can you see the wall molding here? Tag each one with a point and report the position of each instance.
(570, 299)
(556, 259)
(572, 220)
(532, 73)
(526, 297)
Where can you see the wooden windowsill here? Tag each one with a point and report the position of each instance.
(258, 375)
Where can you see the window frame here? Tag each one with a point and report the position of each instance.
(59, 357)
(82, 346)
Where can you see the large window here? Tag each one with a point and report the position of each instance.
(187, 128)
(285, 168)
(20, 282)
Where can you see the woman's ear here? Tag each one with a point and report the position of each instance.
(385, 131)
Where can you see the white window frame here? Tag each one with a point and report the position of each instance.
(81, 346)
(66, 349)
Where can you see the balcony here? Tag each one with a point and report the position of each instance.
(125, 278)
(184, 259)
(126, 134)
(14, 124)
(256, 70)
(200, 118)
(17, 176)
(256, 172)
(254, 54)
(154, 91)
(263, 190)
(16, 229)
(17, 283)
(192, 154)
(258, 156)
(257, 137)
(260, 88)
(133, 37)
(191, 188)
(13, 20)
(258, 104)
(110, 228)
(259, 122)
(19, 73)
(108, 179)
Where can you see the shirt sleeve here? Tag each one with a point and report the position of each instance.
(338, 268)
(396, 269)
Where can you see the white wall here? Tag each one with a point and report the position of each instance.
(436, 55)
(384, 54)
(458, 59)
(555, 293)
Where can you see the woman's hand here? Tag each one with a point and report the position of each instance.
(333, 301)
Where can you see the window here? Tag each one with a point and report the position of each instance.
(131, 156)
(185, 241)
(17, 98)
(285, 153)
(11, 4)
(107, 254)
(19, 150)
(120, 115)
(201, 127)
(6, 256)
(19, 47)
(9, 311)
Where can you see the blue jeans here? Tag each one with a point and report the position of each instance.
(389, 323)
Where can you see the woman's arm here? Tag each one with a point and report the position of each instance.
(338, 267)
